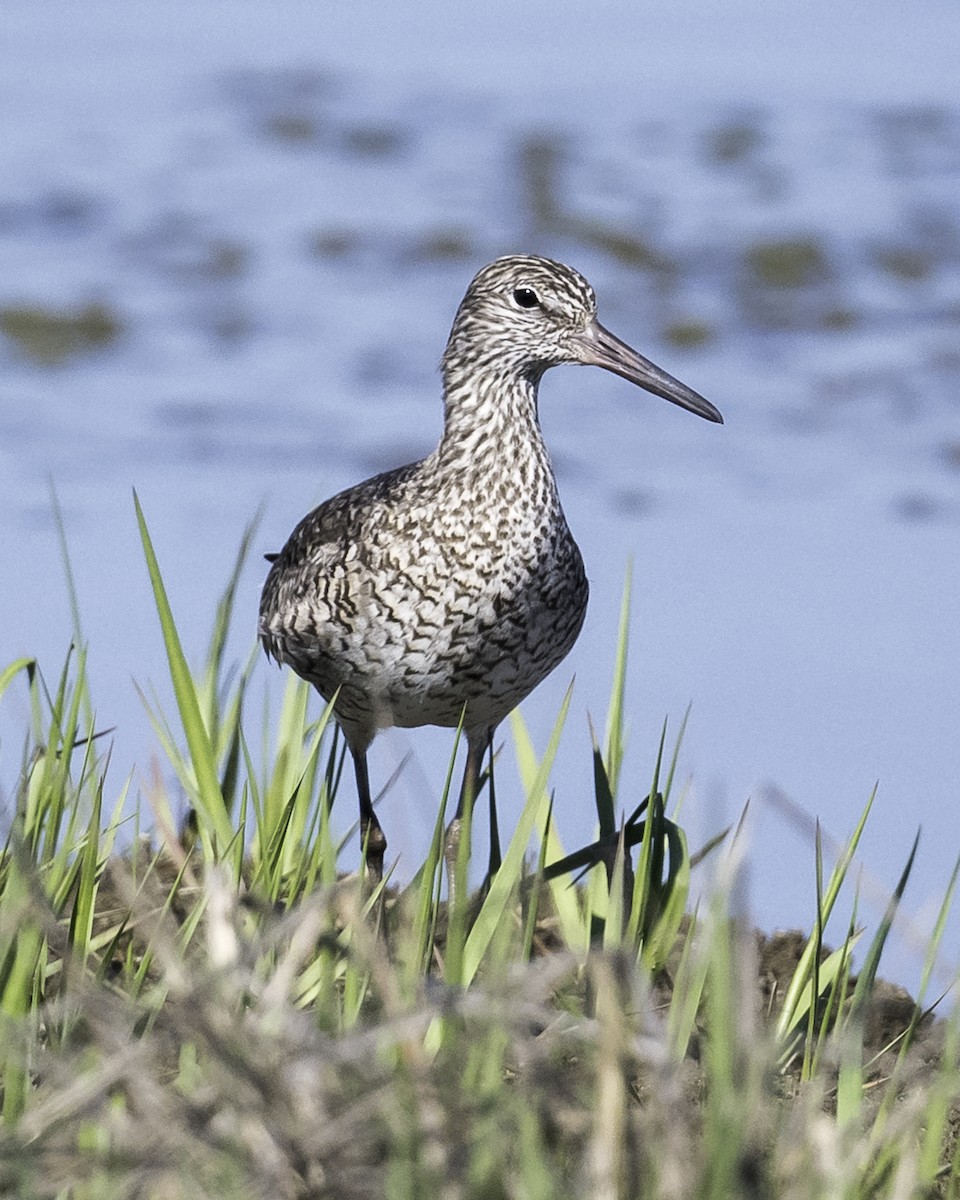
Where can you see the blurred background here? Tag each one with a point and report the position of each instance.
(232, 240)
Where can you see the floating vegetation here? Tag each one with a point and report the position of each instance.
(789, 283)
(689, 333)
(916, 506)
(50, 336)
(62, 211)
(291, 127)
(224, 258)
(375, 141)
(288, 106)
(231, 325)
(733, 142)
(634, 501)
(918, 139)
(431, 246)
(950, 454)
(626, 248)
(840, 319)
(444, 245)
(788, 263)
(903, 263)
(178, 244)
(333, 243)
(540, 157)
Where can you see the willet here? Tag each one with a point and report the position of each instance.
(448, 589)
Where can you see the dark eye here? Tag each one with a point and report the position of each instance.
(526, 298)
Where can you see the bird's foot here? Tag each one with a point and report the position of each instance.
(375, 847)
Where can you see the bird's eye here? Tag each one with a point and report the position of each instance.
(526, 298)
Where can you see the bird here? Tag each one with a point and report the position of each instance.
(444, 591)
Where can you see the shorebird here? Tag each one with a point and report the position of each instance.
(447, 590)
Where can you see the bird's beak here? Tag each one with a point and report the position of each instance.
(599, 348)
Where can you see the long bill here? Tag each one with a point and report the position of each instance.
(600, 348)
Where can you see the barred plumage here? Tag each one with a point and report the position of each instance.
(453, 585)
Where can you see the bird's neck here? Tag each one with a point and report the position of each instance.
(490, 418)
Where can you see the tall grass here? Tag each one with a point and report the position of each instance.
(220, 1010)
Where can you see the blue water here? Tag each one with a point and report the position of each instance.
(282, 206)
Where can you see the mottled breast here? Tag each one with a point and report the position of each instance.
(414, 598)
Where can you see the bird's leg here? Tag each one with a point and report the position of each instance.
(476, 744)
(372, 837)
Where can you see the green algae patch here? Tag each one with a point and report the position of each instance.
(49, 336)
(788, 263)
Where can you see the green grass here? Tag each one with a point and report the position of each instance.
(221, 1011)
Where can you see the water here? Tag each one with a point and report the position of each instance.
(261, 221)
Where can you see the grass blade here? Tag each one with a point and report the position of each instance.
(216, 831)
(508, 877)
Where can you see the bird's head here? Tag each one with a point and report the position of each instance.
(523, 314)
